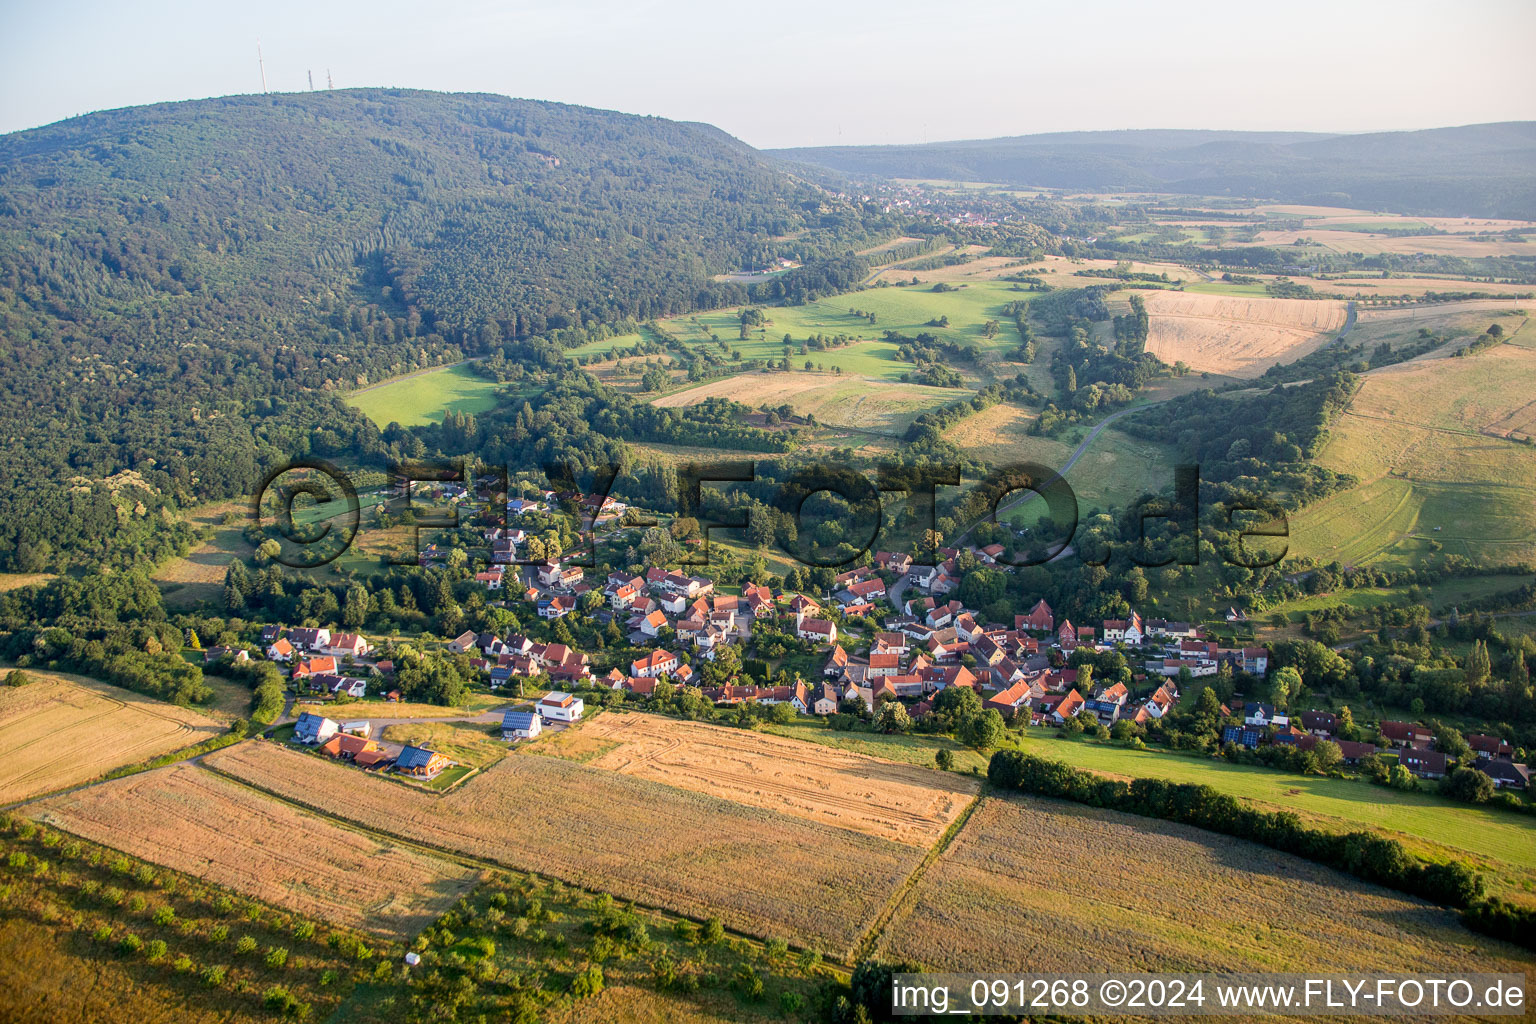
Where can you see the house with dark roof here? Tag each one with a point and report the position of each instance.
(1505, 774)
(1243, 735)
(1320, 723)
(1426, 764)
(1406, 734)
(313, 729)
(1490, 746)
(421, 763)
(521, 725)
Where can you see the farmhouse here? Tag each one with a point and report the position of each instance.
(561, 707)
(313, 729)
(280, 650)
(521, 725)
(464, 642)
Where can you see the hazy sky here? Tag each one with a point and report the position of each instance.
(793, 72)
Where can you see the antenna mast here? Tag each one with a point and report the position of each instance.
(311, 81)
(262, 65)
(328, 84)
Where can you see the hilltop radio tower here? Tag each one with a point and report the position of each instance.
(311, 81)
(328, 84)
(262, 66)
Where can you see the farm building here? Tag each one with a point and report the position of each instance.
(561, 707)
(312, 729)
(521, 725)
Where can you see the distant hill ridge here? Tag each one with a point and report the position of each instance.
(1482, 170)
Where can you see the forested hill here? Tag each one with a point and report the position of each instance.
(1486, 170)
(181, 284)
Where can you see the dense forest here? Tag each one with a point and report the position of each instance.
(1470, 171)
(184, 287)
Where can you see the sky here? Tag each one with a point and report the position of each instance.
(798, 73)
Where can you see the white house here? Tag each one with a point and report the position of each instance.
(521, 725)
(312, 729)
(561, 707)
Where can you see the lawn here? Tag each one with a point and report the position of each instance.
(426, 397)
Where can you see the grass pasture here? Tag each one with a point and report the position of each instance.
(426, 397)
(1114, 471)
(882, 798)
(191, 820)
(685, 852)
(906, 309)
(62, 731)
(1437, 475)
(1014, 892)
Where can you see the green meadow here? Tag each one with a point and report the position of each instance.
(907, 309)
(426, 397)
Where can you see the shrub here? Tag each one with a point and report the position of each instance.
(102, 933)
(155, 950)
(219, 933)
(247, 944)
(276, 957)
(588, 982)
(164, 915)
(183, 964)
(213, 976)
(130, 944)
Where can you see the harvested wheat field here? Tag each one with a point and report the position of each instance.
(1238, 335)
(1431, 314)
(191, 820)
(1043, 885)
(59, 732)
(894, 801)
(762, 872)
(862, 403)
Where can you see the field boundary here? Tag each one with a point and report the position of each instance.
(486, 864)
(871, 937)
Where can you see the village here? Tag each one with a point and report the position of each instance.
(1036, 671)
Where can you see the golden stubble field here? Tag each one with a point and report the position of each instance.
(1041, 885)
(894, 801)
(191, 820)
(59, 732)
(1238, 335)
(762, 872)
(845, 400)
